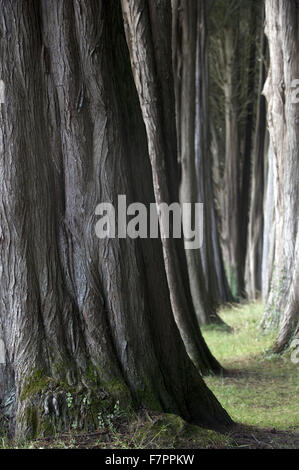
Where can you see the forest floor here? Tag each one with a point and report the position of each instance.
(261, 391)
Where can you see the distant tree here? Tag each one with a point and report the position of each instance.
(234, 32)
(208, 281)
(255, 248)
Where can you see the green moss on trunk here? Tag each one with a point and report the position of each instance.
(48, 406)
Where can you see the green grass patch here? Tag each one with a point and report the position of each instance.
(263, 391)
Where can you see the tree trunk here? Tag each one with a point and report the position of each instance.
(148, 31)
(80, 317)
(269, 224)
(255, 228)
(282, 29)
(212, 259)
(231, 234)
(251, 109)
(205, 266)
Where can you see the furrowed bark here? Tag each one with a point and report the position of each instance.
(72, 307)
(282, 20)
(152, 70)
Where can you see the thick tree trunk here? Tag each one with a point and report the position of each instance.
(205, 266)
(282, 29)
(148, 30)
(80, 317)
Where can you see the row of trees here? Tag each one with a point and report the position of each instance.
(254, 153)
(160, 101)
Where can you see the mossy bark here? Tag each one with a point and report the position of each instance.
(48, 406)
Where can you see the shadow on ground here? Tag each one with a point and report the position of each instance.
(250, 437)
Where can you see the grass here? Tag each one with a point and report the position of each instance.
(149, 430)
(264, 391)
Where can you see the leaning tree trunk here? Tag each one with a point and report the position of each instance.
(282, 29)
(148, 31)
(205, 266)
(80, 317)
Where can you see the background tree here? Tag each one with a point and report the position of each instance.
(234, 32)
(190, 59)
(253, 273)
